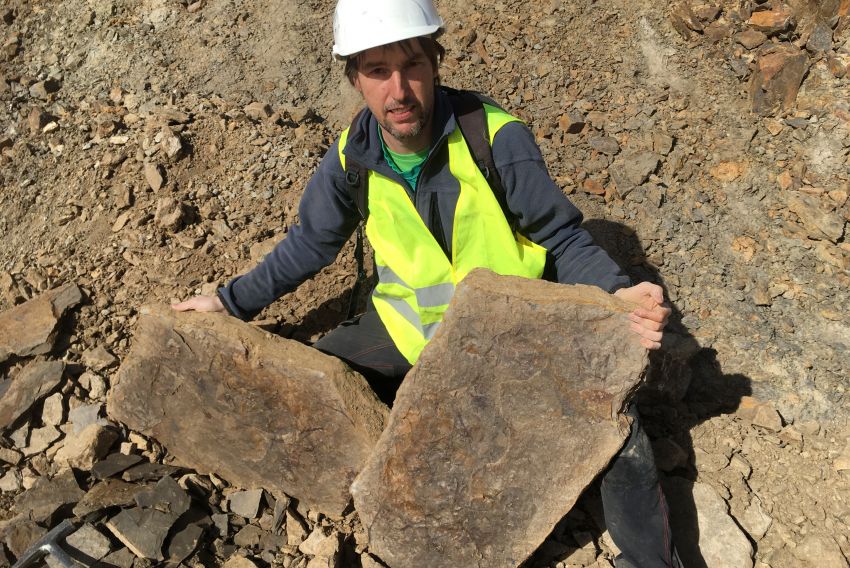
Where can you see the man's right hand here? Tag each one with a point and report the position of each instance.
(200, 304)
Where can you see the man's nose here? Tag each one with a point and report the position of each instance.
(400, 85)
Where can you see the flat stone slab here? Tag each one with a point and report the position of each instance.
(246, 503)
(253, 408)
(166, 496)
(510, 412)
(114, 464)
(32, 383)
(110, 493)
(41, 500)
(30, 328)
(142, 530)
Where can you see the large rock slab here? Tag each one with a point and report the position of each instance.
(30, 328)
(259, 411)
(510, 412)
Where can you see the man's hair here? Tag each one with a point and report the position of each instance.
(432, 48)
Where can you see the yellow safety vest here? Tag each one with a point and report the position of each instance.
(416, 280)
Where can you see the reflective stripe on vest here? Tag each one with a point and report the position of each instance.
(416, 280)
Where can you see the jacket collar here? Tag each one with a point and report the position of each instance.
(364, 144)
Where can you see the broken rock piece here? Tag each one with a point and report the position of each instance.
(510, 412)
(84, 450)
(47, 495)
(778, 75)
(30, 328)
(142, 530)
(258, 410)
(34, 382)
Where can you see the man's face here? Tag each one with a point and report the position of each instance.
(398, 87)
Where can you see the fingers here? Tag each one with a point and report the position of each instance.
(649, 325)
(656, 292)
(659, 314)
(199, 304)
(648, 338)
(182, 306)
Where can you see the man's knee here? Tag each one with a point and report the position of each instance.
(634, 465)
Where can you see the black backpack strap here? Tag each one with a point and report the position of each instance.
(357, 182)
(472, 120)
(357, 179)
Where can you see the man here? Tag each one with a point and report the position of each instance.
(433, 217)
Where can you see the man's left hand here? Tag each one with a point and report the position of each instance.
(649, 319)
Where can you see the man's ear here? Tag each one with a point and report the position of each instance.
(355, 82)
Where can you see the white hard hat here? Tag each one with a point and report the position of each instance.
(362, 24)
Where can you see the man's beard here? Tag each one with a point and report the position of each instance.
(413, 130)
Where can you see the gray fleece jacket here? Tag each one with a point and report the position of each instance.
(329, 217)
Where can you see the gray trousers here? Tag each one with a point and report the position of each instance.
(634, 506)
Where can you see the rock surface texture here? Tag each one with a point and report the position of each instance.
(509, 414)
(257, 410)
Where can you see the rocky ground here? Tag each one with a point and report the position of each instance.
(151, 150)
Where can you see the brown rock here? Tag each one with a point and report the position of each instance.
(718, 30)
(766, 416)
(728, 171)
(777, 78)
(258, 111)
(837, 66)
(707, 12)
(759, 413)
(153, 176)
(10, 456)
(47, 495)
(184, 542)
(23, 535)
(684, 20)
(142, 530)
(34, 382)
(239, 562)
(773, 21)
(170, 214)
(750, 39)
(257, 410)
(85, 449)
(37, 120)
(89, 541)
(785, 180)
(30, 328)
(110, 493)
(171, 144)
(166, 496)
(593, 187)
(818, 221)
(572, 122)
(630, 170)
(497, 429)
(43, 89)
(820, 39)
(98, 358)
